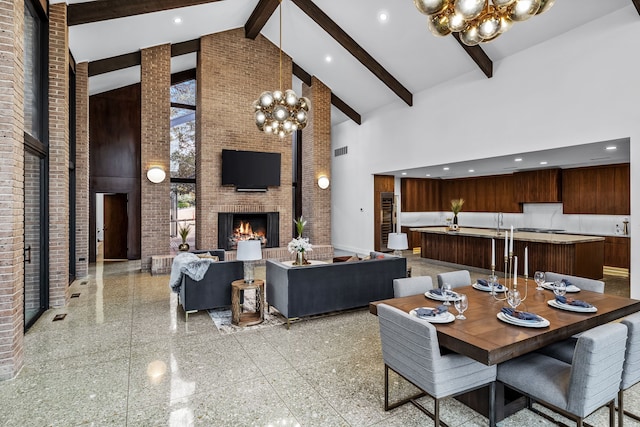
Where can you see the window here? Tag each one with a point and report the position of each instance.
(183, 160)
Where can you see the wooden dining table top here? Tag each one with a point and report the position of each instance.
(485, 338)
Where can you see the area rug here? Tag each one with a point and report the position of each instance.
(222, 317)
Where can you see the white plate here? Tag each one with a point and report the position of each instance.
(487, 288)
(569, 307)
(570, 288)
(526, 323)
(438, 318)
(435, 297)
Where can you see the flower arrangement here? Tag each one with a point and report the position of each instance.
(299, 244)
(456, 205)
(184, 230)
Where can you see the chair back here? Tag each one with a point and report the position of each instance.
(631, 367)
(411, 286)
(409, 345)
(581, 282)
(596, 369)
(455, 278)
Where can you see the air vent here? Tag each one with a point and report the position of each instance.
(340, 151)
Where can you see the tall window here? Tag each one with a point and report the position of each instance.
(183, 160)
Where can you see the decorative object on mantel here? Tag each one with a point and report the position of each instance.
(456, 207)
(300, 244)
(478, 21)
(281, 112)
(183, 230)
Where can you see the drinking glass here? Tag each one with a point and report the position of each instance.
(559, 287)
(513, 298)
(446, 293)
(461, 304)
(492, 281)
(539, 277)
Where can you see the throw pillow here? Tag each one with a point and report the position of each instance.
(353, 258)
(367, 258)
(208, 255)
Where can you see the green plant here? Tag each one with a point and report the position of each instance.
(183, 231)
(300, 223)
(456, 205)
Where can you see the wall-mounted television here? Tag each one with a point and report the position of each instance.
(250, 170)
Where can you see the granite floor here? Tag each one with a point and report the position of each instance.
(124, 356)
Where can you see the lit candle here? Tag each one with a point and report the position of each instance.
(515, 270)
(506, 244)
(526, 261)
(511, 243)
(493, 252)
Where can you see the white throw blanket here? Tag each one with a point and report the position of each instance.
(189, 264)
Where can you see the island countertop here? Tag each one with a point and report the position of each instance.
(523, 236)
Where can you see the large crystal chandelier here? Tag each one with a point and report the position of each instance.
(281, 112)
(478, 20)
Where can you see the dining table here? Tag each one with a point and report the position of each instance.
(485, 336)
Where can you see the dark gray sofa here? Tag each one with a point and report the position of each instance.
(323, 288)
(214, 290)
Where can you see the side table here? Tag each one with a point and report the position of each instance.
(247, 319)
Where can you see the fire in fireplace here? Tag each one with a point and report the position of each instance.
(245, 231)
(234, 227)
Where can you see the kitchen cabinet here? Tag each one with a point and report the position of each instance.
(617, 252)
(538, 186)
(420, 195)
(602, 190)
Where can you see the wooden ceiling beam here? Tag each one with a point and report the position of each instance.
(259, 18)
(478, 55)
(339, 35)
(102, 10)
(636, 3)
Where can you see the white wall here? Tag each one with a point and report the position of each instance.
(578, 88)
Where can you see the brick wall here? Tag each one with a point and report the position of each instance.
(82, 169)
(11, 187)
(232, 72)
(155, 80)
(316, 161)
(58, 155)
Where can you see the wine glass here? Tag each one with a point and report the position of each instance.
(492, 282)
(446, 293)
(559, 288)
(539, 277)
(461, 304)
(513, 298)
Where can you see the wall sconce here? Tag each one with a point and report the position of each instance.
(156, 174)
(323, 182)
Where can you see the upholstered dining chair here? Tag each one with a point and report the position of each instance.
(581, 282)
(574, 390)
(455, 278)
(410, 349)
(411, 286)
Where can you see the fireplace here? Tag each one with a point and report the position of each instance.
(236, 226)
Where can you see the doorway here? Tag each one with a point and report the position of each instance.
(112, 224)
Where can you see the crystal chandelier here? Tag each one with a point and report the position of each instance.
(478, 20)
(281, 112)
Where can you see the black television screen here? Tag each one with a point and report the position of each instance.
(250, 170)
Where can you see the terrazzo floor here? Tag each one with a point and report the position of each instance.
(124, 356)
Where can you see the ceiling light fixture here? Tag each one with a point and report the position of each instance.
(611, 147)
(404, 173)
(446, 168)
(518, 159)
(328, 58)
(281, 112)
(472, 170)
(543, 163)
(478, 21)
(383, 17)
(177, 20)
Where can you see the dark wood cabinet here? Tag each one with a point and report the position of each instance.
(420, 195)
(538, 186)
(381, 184)
(617, 252)
(600, 190)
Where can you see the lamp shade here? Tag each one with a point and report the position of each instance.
(398, 241)
(323, 182)
(156, 174)
(249, 250)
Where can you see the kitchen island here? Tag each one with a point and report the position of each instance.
(573, 254)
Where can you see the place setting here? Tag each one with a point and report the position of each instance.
(520, 318)
(445, 294)
(441, 314)
(550, 286)
(491, 285)
(567, 303)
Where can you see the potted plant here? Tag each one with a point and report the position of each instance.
(456, 207)
(183, 230)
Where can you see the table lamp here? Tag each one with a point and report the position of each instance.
(397, 242)
(248, 252)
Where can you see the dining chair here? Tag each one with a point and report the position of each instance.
(411, 286)
(455, 278)
(581, 282)
(631, 367)
(410, 349)
(574, 390)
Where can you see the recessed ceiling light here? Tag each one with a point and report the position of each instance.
(543, 163)
(517, 159)
(446, 168)
(404, 173)
(472, 170)
(383, 16)
(611, 147)
(328, 58)
(177, 20)
(428, 174)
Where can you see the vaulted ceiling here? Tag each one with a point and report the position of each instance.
(372, 62)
